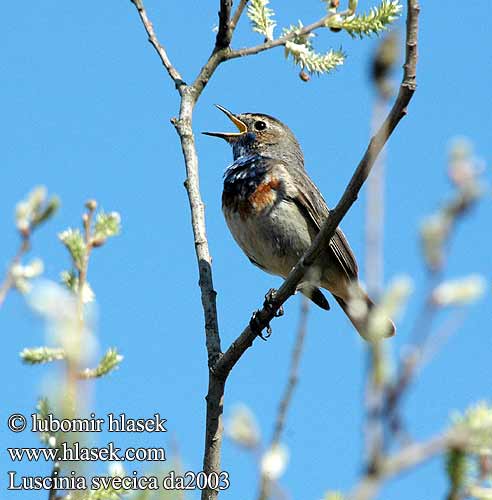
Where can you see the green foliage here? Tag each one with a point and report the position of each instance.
(106, 494)
(376, 21)
(75, 244)
(47, 211)
(106, 225)
(23, 274)
(313, 62)
(300, 48)
(476, 422)
(261, 18)
(35, 209)
(465, 170)
(71, 281)
(39, 355)
(457, 468)
(333, 495)
(109, 362)
(43, 409)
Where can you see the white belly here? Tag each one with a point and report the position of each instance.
(275, 239)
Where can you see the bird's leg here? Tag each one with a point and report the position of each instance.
(269, 303)
(254, 324)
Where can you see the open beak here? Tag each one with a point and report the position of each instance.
(229, 136)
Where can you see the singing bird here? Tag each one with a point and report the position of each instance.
(274, 211)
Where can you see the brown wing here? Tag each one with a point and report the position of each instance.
(310, 201)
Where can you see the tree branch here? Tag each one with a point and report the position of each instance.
(161, 51)
(224, 34)
(8, 282)
(270, 44)
(407, 88)
(265, 482)
(410, 456)
(238, 13)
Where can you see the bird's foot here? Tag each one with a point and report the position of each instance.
(270, 305)
(270, 299)
(255, 325)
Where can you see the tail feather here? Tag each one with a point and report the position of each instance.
(360, 323)
(316, 295)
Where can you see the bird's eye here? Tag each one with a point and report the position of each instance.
(259, 125)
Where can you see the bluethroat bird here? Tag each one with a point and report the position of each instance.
(274, 211)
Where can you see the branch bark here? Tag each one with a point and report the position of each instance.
(153, 40)
(410, 456)
(224, 33)
(265, 482)
(8, 282)
(270, 44)
(238, 13)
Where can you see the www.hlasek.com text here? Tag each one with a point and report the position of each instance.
(78, 453)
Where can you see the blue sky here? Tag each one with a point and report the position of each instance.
(86, 108)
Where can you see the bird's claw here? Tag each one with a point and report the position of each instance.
(254, 324)
(269, 303)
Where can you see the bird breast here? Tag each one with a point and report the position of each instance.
(266, 225)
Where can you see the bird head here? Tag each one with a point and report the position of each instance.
(260, 134)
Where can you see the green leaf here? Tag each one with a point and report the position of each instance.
(34, 210)
(376, 21)
(107, 225)
(47, 212)
(306, 58)
(108, 363)
(75, 244)
(457, 468)
(71, 281)
(476, 422)
(261, 18)
(39, 355)
(334, 495)
(44, 409)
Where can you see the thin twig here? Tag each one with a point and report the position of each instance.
(265, 315)
(293, 373)
(161, 51)
(410, 456)
(183, 124)
(238, 13)
(278, 42)
(8, 282)
(224, 33)
(54, 475)
(265, 482)
(374, 428)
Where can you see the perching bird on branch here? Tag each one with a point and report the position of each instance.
(274, 211)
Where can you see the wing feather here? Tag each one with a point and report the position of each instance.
(311, 203)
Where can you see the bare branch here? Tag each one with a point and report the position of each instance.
(374, 428)
(293, 373)
(270, 44)
(161, 51)
(238, 13)
(8, 282)
(224, 33)
(410, 456)
(265, 482)
(288, 288)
